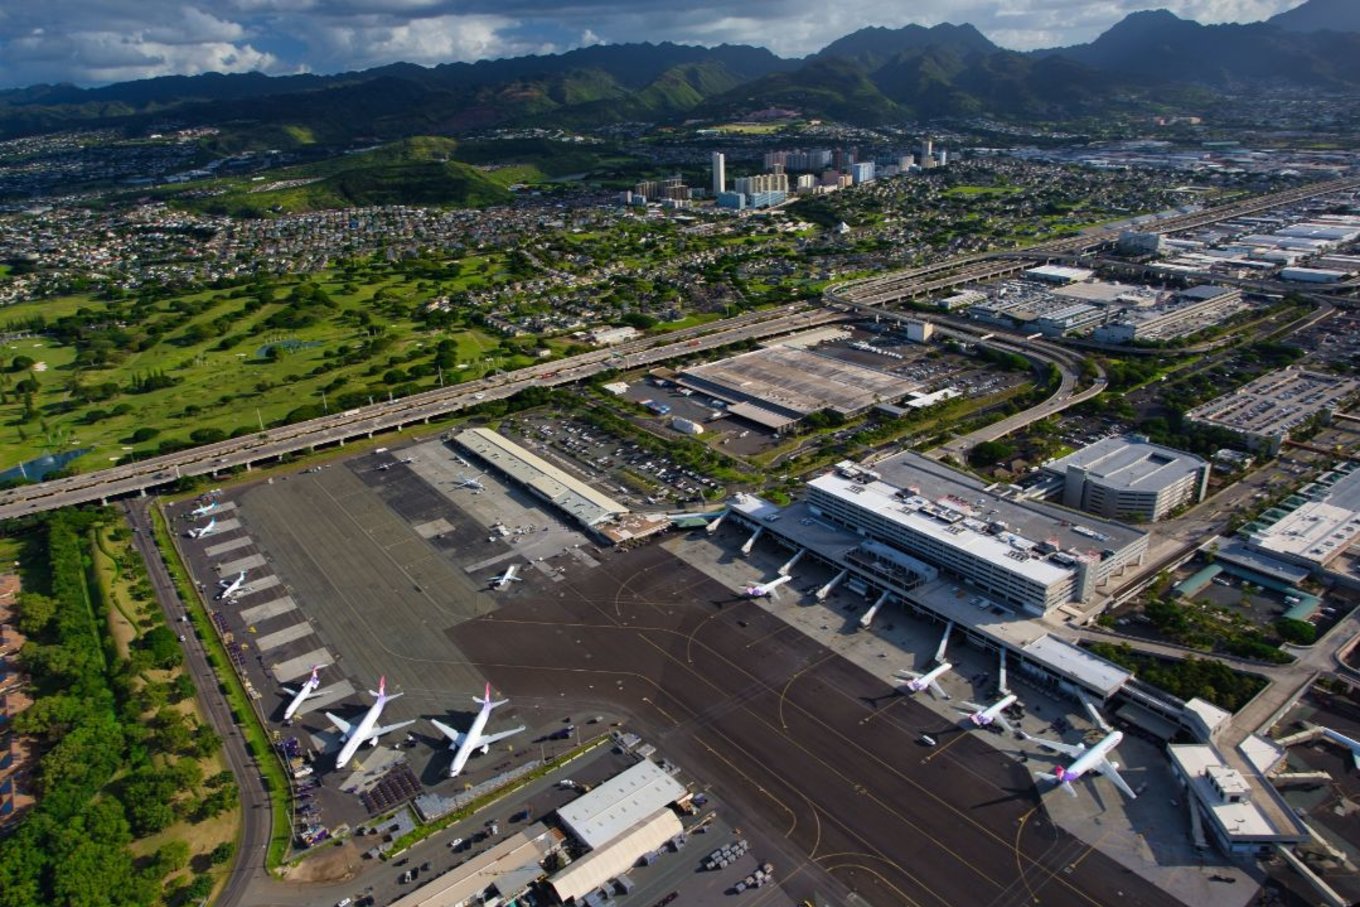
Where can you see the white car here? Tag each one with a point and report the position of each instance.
(455, 843)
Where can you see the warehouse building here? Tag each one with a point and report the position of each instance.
(620, 821)
(1024, 555)
(503, 872)
(1188, 312)
(778, 386)
(1316, 525)
(1129, 478)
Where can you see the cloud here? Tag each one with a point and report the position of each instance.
(91, 41)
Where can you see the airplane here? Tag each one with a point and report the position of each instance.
(231, 587)
(366, 731)
(204, 531)
(206, 509)
(916, 682)
(474, 739)
(500, 582)
(986, 716)
(300, 696)
(766, 590)
(1086, 759)
(473, 483)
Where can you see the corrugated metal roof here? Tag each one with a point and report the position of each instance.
(513, 863)
(597, 868)
(616, 805)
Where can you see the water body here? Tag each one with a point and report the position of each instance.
(39, 468)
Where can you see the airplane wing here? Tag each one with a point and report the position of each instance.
(1109, 771)
(387, 729)
(1005, 725)
(344, 726)
(455, 737)
(937, 690)
(288, 691)
(489, 739)
(1069, 749)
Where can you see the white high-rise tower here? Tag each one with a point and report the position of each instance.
(719, 174)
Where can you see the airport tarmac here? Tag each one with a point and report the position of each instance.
(818, 757)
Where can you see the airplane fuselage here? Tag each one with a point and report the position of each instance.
(1089, 759)
(917, 684)
(470, 744)
(989, 714)
(361, 733)
(307, 689)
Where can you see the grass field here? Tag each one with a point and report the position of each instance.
(366, 343)
(979, 191)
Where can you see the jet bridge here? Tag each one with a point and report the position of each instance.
(751, 542)
(792, 562)
(869, 615)
(830, 587)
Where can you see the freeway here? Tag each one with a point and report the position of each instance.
(336, 428)
(979, 268)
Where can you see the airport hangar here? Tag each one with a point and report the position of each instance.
(617, 824)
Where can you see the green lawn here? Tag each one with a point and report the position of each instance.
(976, 191)
(232, 389)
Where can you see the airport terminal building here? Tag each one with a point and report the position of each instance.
(1024, 555)
(1129, 478)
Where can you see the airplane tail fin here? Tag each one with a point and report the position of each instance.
(487, 700)
(1061, 782)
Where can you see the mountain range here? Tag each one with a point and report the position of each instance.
(871, 77)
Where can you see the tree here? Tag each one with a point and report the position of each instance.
(1299, 632)
(989, 453)
(222, 853)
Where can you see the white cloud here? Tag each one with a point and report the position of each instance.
(97, 40)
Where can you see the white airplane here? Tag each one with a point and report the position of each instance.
(916, 682)
(300, 695)
(1086, 759)
(506, 578)
(766, 590)
(204, 531)
(987, 715)
(205, 509)
(474, 739)
(230, 588)
(473, 483)
(366, 731)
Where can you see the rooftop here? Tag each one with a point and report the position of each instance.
(1132, 465)
(516, 858)
(577, 498)
(618, 804)
(1276, 401)
(798, 381)
(1032, 520)
(1244, 821)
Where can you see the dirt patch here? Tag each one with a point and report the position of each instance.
(330, 864)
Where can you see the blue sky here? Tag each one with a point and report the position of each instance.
(91, 42)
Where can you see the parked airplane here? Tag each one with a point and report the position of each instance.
(366, 731)
(916, 682)
(474, 739)
(765, 590)
(473, 483)
(205, 509)
(506, 578)
(204, 531)
(230, 588)
(300, 696)
(987, 715)
(1086, 759)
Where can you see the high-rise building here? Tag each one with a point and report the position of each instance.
(719, 173)
(863, 172)
(762, 182)
(927, 152)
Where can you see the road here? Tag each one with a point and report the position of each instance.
(256, 816)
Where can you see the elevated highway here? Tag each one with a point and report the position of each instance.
(364, 422)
